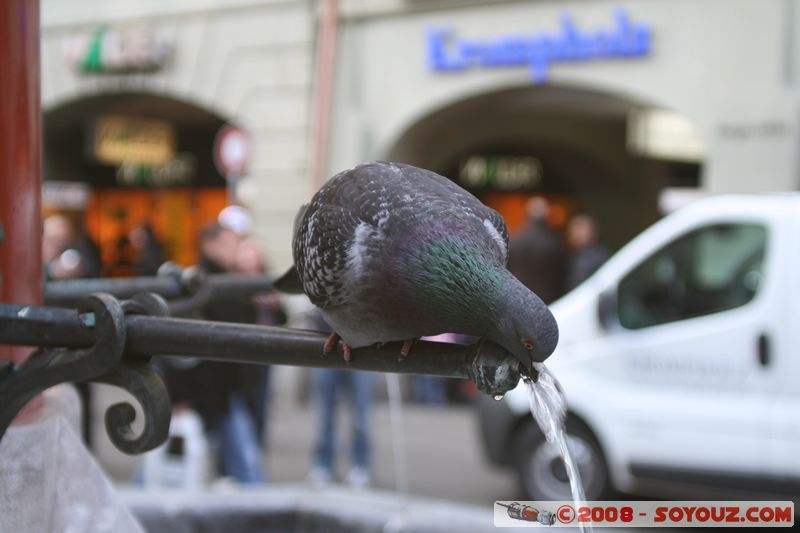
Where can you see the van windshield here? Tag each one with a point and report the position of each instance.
(712, 269)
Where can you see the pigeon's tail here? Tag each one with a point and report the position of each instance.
(289, 282)
(298, 218)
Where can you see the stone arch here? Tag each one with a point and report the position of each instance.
(581, 137)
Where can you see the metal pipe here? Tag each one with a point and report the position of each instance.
(67, 293)
(188, 292)
(30, 325)
(222, 341)
(245, 343)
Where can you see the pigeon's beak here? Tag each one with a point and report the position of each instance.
(528, 371)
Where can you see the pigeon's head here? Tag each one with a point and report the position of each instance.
(527, 328)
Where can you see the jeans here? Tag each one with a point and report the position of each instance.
(261, 398)
(329, 384)
(429, 390)
(241, 453)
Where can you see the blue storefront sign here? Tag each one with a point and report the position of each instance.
(537, 51)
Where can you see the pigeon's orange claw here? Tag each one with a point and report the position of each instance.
(406, 349)
(333, 338)
(347, 352)
(330, 344)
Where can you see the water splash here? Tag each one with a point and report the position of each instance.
(549, 409)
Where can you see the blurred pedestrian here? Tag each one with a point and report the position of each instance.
(149, 250)
(249, 257)
(536, 255)
(329, 384)
(268, 312)
(241, 454)
(67, 253)
(587, 254)
(237, 219)
(218, 246)
(219, 391)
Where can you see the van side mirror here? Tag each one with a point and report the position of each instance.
(607, 308)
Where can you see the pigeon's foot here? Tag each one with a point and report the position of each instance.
(333, 338)
(347, 351)
(406, 348)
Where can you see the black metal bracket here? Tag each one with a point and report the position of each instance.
(185, 289)
(104, 362)
(108, 341)
(137, 376)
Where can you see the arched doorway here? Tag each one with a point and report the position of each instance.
(117, 161)
(586, 151)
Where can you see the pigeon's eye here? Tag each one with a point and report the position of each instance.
(528, 345)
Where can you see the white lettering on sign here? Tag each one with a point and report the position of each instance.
(179, 171)
(118, 50)
(569, 44)
(505, 173)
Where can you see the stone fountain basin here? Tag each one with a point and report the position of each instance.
(300, 509)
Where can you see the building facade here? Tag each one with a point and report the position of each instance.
(134, 95)
(617, 109)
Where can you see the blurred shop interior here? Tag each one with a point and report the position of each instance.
(120, 161)
(620, 161)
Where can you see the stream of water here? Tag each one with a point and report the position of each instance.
(549, 409)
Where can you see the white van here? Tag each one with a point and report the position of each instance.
(679, 359)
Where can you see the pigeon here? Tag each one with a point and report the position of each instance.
(392, 252)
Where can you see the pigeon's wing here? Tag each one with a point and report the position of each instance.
(298, 218)
(289, 282)
(322, 246)
(498, 230)
(461, 199)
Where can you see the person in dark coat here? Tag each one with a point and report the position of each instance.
(587, 254)
(536, 255)
(68, 254)
(218, 391)
(150, 252)
(268, 312)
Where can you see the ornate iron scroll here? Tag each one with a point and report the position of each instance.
(101, 362)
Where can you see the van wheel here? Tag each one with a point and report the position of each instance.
(541, 471)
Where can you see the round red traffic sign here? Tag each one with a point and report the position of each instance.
(233, 148)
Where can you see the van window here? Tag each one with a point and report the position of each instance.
(706, 271)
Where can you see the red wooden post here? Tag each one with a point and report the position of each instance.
(20, 158)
